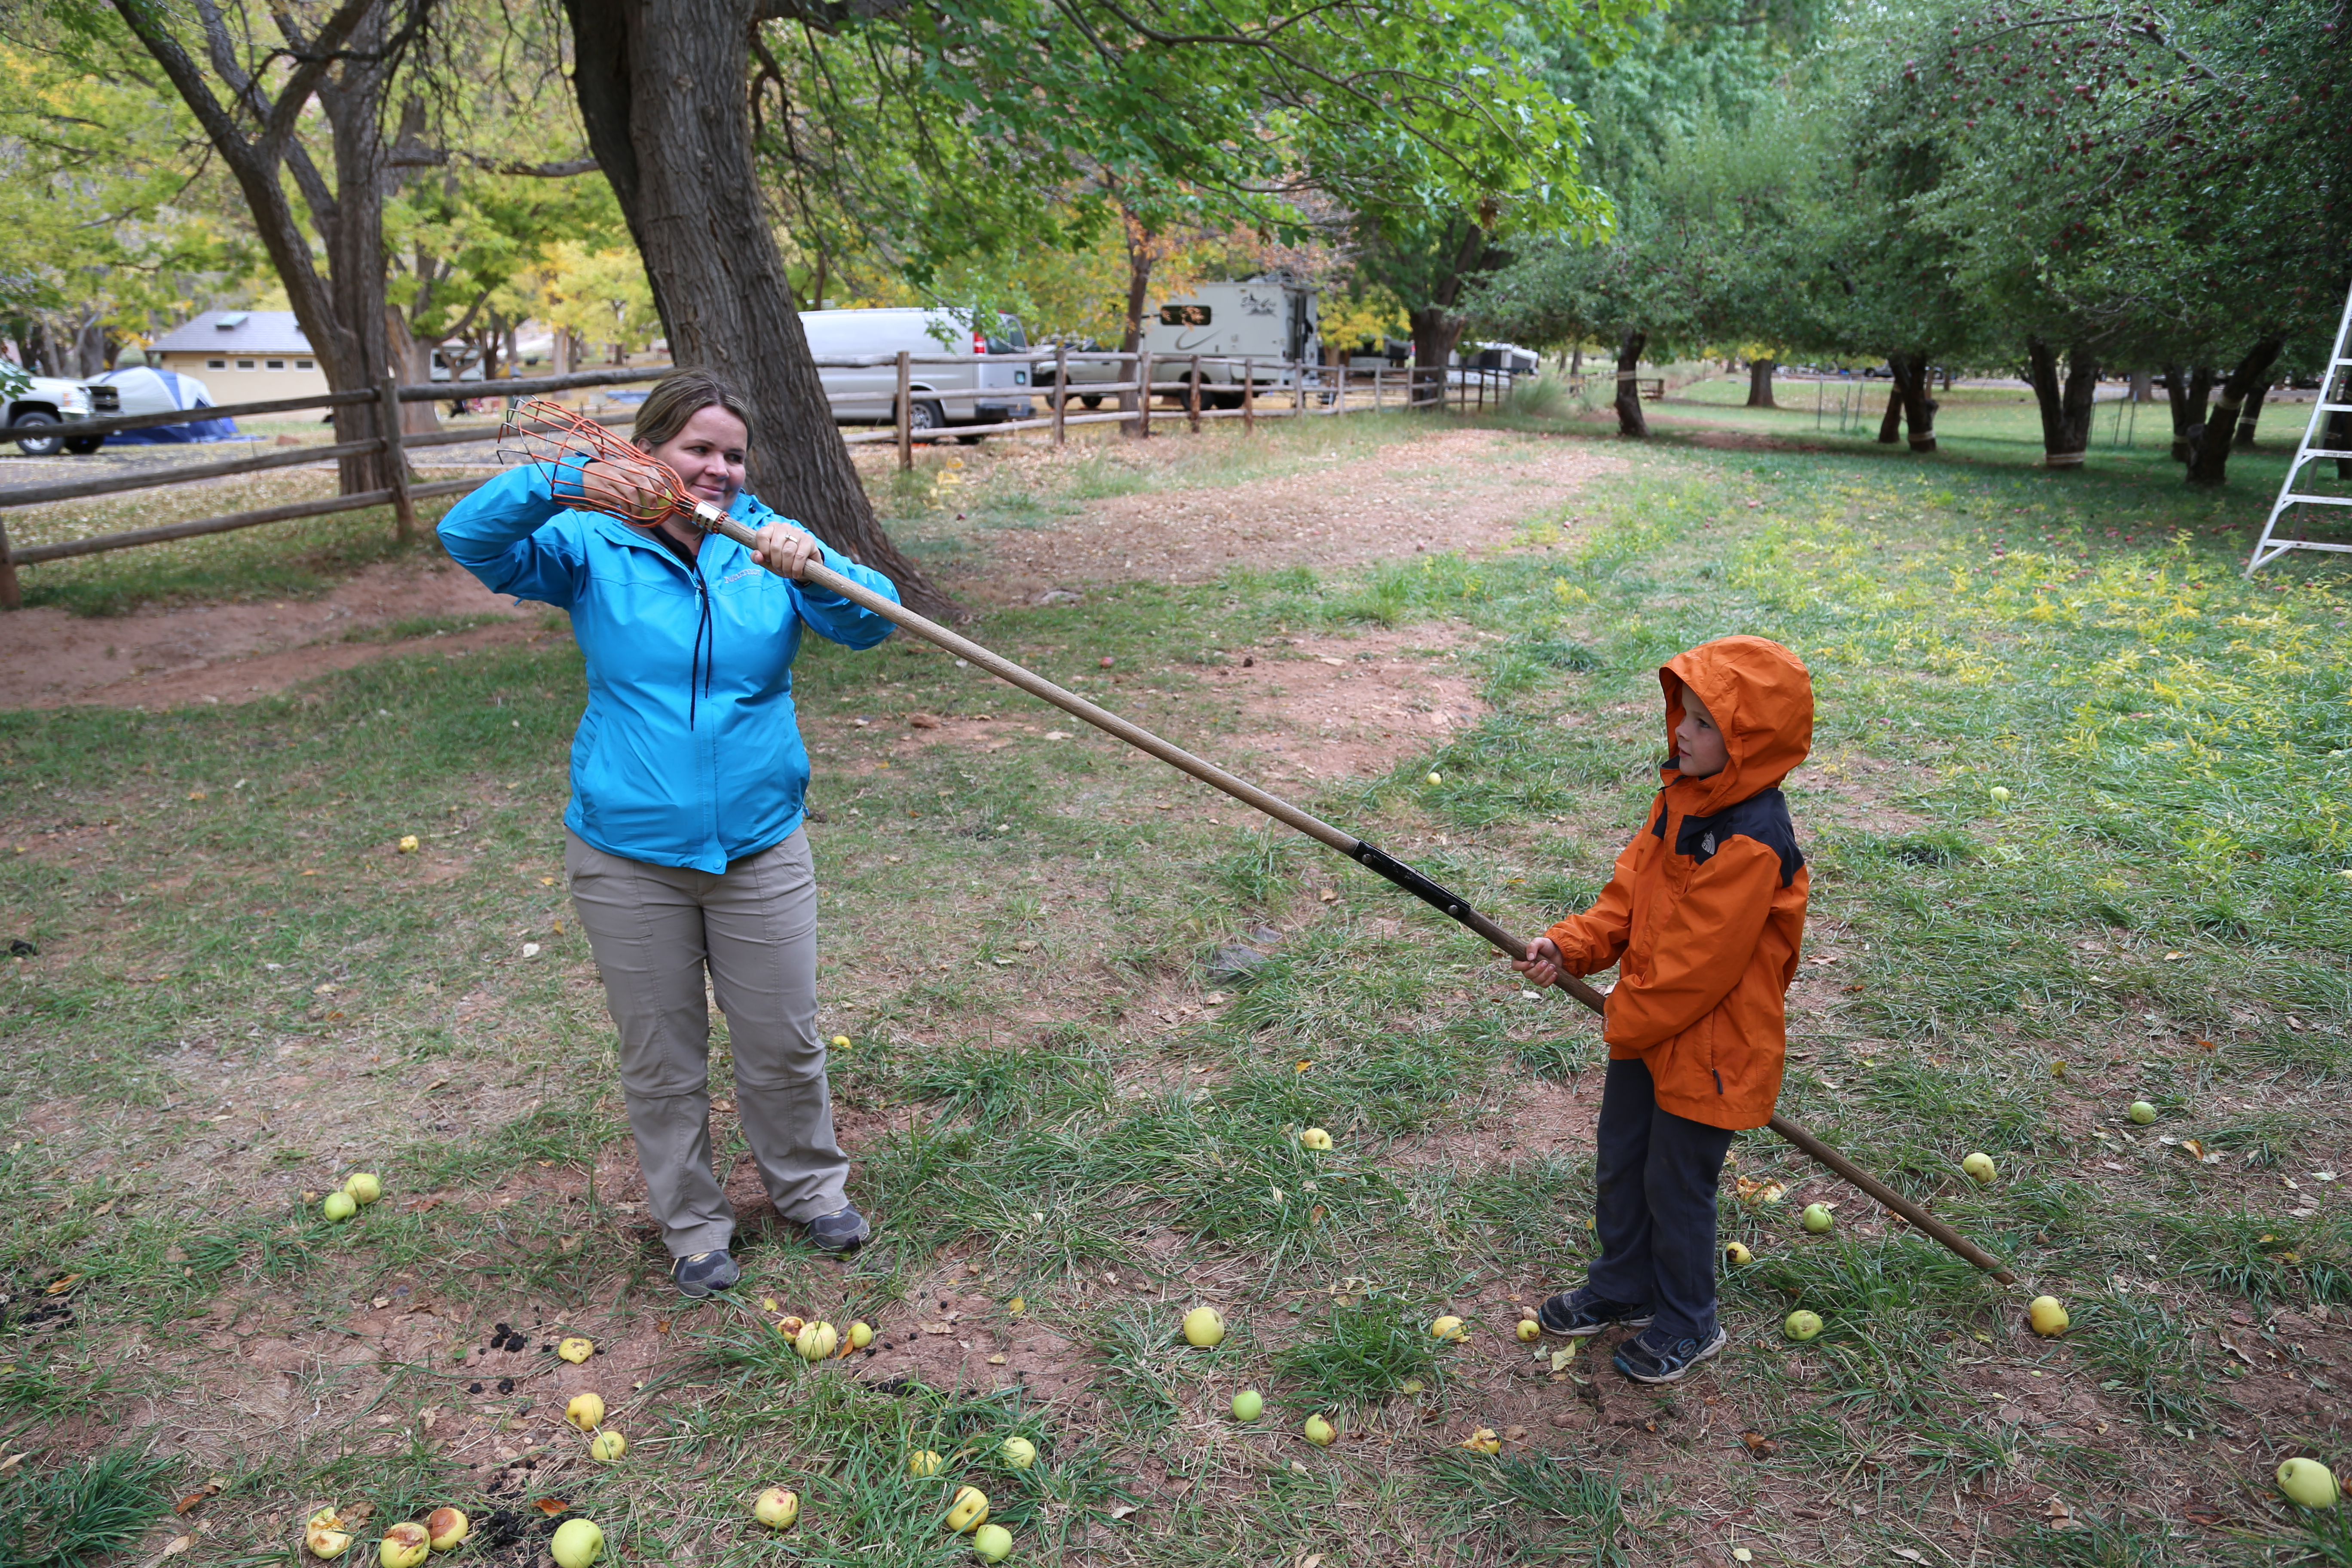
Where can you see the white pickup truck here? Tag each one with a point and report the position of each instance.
(41, 410)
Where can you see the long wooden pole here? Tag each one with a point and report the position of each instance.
(404, 511)
(1061, 387)
(905, 411)
(1346, 843)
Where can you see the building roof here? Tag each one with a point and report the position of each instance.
(236, 332)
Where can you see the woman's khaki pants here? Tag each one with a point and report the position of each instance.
(654, 930)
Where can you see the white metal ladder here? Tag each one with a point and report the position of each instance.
(2270, 546)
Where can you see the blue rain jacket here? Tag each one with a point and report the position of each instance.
(690, 753)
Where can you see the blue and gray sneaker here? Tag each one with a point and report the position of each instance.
(1582, 1312)
(842, 1231)
(704, 1273)
(1645, 1360)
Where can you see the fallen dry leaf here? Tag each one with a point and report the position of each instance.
(178, 1544)
(196, 1498)
(550, 1506)
(60, 1287)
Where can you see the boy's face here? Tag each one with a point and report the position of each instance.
(1699, 751)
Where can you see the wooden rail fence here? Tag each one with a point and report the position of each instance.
(1196, 383)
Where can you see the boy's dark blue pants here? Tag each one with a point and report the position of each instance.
(1654, 1180)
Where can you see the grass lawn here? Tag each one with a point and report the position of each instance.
(2079, 816)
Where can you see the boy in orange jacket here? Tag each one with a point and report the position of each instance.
(1703, 918)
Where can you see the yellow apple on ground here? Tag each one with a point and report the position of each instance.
(404, 1546)
(923, 1462)
(1529, 1330)
(1203, 1327)
(1979, 1167)
(586, 1411)
(841, 1042)
(2142, 1113)
(1999, 792)
(1483, 1441)
(1802, 1325)
(860, 1335)
(339, 1206)
(1817, 1218)
(1018, 1453)
(446, 1529)
(323, 1534)
(2307, 1482)
(575, 1349)
(1318, 1431)
(2047, 1316)
(777, 1508)
(1448, 1328)
(1315, 1138)
(991, 1543)
(816, 1341)
(408, 844)
(608, 1446)
(1437, 778)
(1737, 1255)
(363, 1187)
(1248, 1404)
(969, 1512)
(577, 1543)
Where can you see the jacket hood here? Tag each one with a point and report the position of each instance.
(1762, 696)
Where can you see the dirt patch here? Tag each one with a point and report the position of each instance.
(1305, 707)
(159, 656)
(1462, 489)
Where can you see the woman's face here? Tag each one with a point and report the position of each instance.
(708, 454)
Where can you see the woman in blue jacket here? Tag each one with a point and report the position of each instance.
(683, 839)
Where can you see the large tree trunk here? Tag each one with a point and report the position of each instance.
(2066, 405)
(2188, 391)
(2251, 415)
(1629, 418)
(1759, 383)
(2211, 464)
(2143, 387)
(1142, 251)
(1436, 329)
(661, 89)
(1907, 401)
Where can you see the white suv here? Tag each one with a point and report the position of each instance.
(37, 405)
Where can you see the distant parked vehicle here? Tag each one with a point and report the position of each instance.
(1270, 319)
(996, 392)
(41, 406)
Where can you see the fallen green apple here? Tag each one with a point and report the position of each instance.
(1737, 1255)
(1437, 778)
(1802, 1325)
(607, 1446)
(2307, 1482)
(577, 1543)
(2047, 1315)
(1203, 1327)
(841, 1042)
(1999, 792)
(1318, 1431)
(923, 1462)
(323, 1534)
(404, 1546)
(1817, 1218)
(1018, 1453)
(2141, 1113)
(576, 1349)
(1315, 1138)
(446, 1529)
(363, 1187)
(586, 1411)
(776, 1507)
(1248, 1404)
(1979, 1167)
(816, 1341)
(861, 1334)
(969, 1512)
(1529, 1330)
(1447, 1328)
(339, 1206)
(991, 1543)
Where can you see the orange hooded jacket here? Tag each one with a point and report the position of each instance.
(1707, 908)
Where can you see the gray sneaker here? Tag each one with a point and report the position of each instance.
(705, 1273)
(844, 1231)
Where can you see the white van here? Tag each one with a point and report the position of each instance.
(994, 385)
(1270, 319)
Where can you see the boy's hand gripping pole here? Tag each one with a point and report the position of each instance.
(1314, 827)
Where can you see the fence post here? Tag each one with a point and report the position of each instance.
(906, 412)
(1143, 395)
(1376, 386)
(11, 596)
(404, 511)
(1249, 397)
(1061, 385)
(1193, 394)
(1298, 390)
